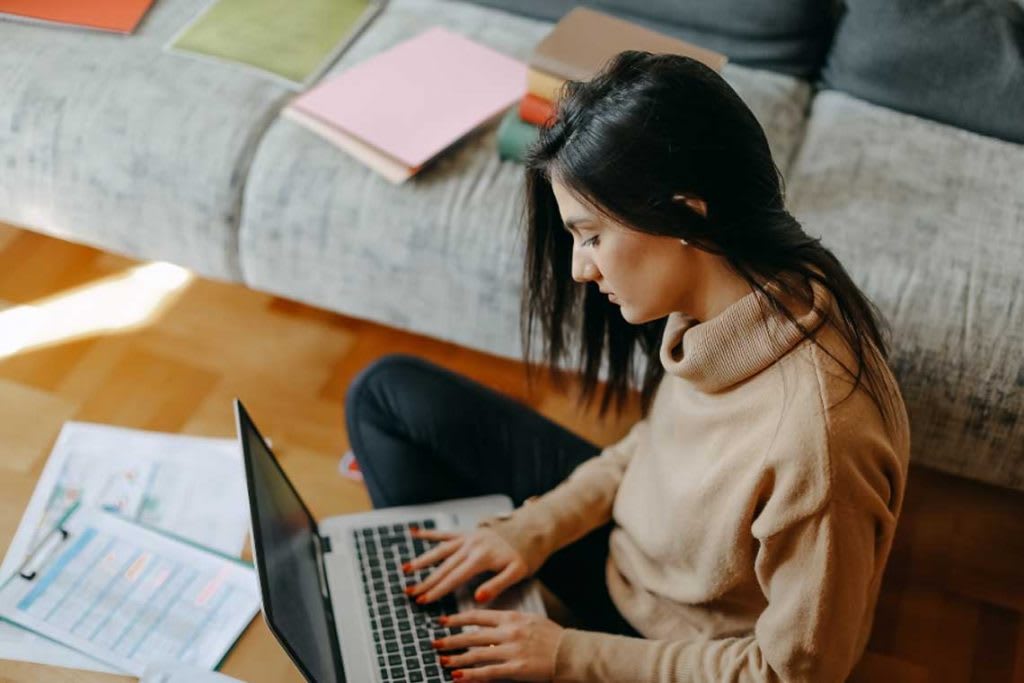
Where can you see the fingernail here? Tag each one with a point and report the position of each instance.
(443, 620)
(436, 643)
(482, 596)
(457, 673)
(445, 661)
(406, 567)
(409, 590)
(421, 600)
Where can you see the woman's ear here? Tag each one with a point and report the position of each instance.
(696, 204)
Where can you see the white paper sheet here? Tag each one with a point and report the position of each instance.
(191, 486)
(128, 595)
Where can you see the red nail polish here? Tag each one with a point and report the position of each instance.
(436, 643)
(409, 590)
(443, 620)
(445, 661)
(482, 596)
(457, 673)
(406, 567)
(422, 600)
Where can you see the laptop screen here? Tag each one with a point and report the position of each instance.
(285, 548)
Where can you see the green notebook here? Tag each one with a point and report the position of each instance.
(292, 41)
(515, 136)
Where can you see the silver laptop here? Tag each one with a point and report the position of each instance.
(332, 592)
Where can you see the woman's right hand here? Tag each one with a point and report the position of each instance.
(461, 556)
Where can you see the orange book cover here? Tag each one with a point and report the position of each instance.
(121, 16)
(536, 110)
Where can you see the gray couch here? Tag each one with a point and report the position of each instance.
(112, 142)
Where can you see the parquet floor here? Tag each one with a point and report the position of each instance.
(87, 335)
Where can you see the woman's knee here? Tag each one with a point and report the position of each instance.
(386, 371)
(366, 396)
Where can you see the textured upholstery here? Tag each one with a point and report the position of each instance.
(929, 220)
(110, 141)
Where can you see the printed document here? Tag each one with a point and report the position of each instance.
(191, 486)
(128, 595)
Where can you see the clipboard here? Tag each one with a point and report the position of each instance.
(128, 595)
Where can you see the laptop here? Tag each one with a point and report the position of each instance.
(332, 591)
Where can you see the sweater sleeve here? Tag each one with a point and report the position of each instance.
(816, 575)
(579, 504)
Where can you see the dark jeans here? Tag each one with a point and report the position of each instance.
(421, 433)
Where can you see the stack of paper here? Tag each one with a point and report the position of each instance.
(190, 486)
(401, 108)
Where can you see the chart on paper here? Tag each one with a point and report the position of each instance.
(191, 486)
(127, 596)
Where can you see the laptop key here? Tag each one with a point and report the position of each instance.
(415, 677)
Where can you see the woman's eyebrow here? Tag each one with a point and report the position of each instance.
(571, 224)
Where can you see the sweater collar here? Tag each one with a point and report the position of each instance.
(736, 344)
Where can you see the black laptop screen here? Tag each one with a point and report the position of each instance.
(286, 559)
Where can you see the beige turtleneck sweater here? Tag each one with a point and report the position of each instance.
(753, 516)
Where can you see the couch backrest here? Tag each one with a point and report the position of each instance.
(960, 62)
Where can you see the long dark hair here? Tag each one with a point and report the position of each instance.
(646, 129)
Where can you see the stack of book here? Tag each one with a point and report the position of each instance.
(579, 45)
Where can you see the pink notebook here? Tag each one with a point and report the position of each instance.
(419, 97)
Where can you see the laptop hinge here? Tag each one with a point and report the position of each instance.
(325, 544)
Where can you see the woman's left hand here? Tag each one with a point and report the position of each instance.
(508, 645)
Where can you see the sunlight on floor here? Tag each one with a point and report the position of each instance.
(119, 303)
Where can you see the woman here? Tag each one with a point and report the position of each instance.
(741, 528)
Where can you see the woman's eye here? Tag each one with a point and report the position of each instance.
(591, 241)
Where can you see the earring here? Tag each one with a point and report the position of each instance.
(683, 242)
(698, 206)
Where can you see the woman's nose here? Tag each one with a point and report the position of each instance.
(583, 270)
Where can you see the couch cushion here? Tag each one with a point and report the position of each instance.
(929, 220)
(440, 254)
(108, 140)
(787, 36)
(959, 62)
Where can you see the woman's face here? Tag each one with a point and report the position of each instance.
(647, 276)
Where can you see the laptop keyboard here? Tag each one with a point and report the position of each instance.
(402, 630)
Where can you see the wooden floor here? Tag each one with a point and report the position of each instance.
(86, 335)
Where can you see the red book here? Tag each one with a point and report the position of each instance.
(121, 16)
(536, 110)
